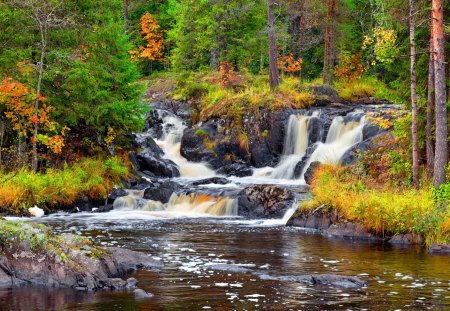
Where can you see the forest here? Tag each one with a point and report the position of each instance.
(329, 115)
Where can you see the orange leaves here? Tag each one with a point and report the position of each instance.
(19, 104)
(153, 50)
(289, 65)
(350, 67)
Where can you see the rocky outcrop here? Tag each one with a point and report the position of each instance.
(309, 174)
(161, 191)
(74, 264)
(259, 201)
(152, 165)
(439, 249)
(235, 169)
(406, 239)
(328, 223)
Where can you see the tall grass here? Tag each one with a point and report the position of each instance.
(94, 178)
(381, 210)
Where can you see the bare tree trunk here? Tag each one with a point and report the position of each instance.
(329, 53)
(273, 53)
(441, 152)
(2, 137)
(43, 31)
(430, 112)
(415, 141)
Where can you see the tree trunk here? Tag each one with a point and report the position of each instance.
(125, 12)
(43, 31)
(441, 152)
(273, 53)
(430, 112)
(329, 53)
(415, 142)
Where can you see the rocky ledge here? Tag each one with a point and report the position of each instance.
(33, 255)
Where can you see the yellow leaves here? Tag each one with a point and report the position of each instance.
(383, 42)
(110, 136)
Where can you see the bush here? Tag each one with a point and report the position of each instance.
(382, 210)
(94, 178)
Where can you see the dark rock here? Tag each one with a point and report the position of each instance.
(260, 154)
(116, 193)
(235, 169)
(83, 204)
(147, 142)
(229, 268)
(309, 173)
(324, 90)
(264, 201)
(193, 148)
(351, 230)
(321, 279)
(406, 239)
(141, 294)
(212, 180)
(316, 130)
(158, 166)
(161, 192)
(19, 265)
(439, 249)
(131, 283)
(317, 219)
(103, 209)
(370, 131)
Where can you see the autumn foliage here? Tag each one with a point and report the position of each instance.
(350, 67)
(17, 103)
(153, 49)
(289, 65)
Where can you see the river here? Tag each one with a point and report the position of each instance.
(399, 278)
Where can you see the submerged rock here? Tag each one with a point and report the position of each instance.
(439, 249)
(258, 201)
(141, 294)
(320, 279)
(212, 180)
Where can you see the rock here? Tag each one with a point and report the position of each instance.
(103, 209)
(141, 294)
(316, 130)
(260, 154)
(317, 219)
(194, 149)
(131, 283)
(157, 166)
(235, 169)
(320, 279)
(439, 249)
(229, 268)
(36, 211)
(212, 180)
(161, 191)
(146, 142)
(104, 270)
(264, 201)
(406, 239)
(324, 90)
(310, 172)
(351, 230)
(116, 193)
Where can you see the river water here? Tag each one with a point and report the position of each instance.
(399, 278)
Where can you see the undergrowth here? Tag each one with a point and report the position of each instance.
(94, 178)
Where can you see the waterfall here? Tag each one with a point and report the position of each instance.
(170, 143)
(295, 144)
(344, 133)
(193, 204)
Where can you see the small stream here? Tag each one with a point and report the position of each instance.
(399, 278)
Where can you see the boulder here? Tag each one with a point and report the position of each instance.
(350, 230)
(141, 294)
(161, 191)
(116, 193)
(193, 149)
(309, 173)
(212, 180)
(264, 201)
(146, 161)
(335, 280)
(324, 90)
(406, 239)
(439, 249)
(235, 169)
(317, 219)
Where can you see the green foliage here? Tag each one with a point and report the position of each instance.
(91, 177)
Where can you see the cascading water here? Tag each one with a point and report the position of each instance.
(294, 148)
(170, 143)
(344, 133)
(193, 204)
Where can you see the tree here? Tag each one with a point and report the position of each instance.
(45, 16)
(330, 33)
(430, 111)
(273, 63)
(441, 152)
(415, 141)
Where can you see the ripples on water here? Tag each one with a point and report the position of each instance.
(399, 278)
